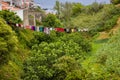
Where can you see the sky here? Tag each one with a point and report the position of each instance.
(50, 3)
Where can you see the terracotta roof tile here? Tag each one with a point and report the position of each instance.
(6, 6)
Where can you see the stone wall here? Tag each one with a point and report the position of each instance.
(25, 17)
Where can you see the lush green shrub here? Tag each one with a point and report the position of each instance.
(10, 17)
(79, 39)
(76, 8)
(93, 8)
(53, 57)
(105, 63)
(8, 42)
(40, 65)
(115, 1)
(102, 20)
(51, 21)
(25, 37)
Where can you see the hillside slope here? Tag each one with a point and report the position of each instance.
(107, 34)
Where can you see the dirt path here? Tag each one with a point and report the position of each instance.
(104, 34)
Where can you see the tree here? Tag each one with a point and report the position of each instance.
(57, 7)
(67, 68)
(40, 66)
(10, 17)
(60, 59)
(51, 21)
(93, 8)
(77, 8)
(78, 38)
(115, 1)
(98, 19)
(8, 42)
(66, 11)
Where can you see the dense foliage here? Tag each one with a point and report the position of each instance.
(105, 63)
(51, 21)
(31, 55)
(8, 42)
(99, 19)
(76, 9)
(13, 49)
(95, 17)
(115, 1)
(54, 58)
(10, 17)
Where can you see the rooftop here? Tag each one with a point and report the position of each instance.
(7, 6)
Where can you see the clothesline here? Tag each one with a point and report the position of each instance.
(48, 29)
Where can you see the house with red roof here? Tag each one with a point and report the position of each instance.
(21, 8)
(8, 5)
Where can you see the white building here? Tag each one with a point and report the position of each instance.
(19, 12)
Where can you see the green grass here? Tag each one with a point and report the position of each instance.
(96, 45)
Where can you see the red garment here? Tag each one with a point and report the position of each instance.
(28, 27)
(59, 29)
(19, 25)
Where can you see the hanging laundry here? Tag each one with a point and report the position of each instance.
(17, 25)
(37, 28)
(33, 28)
(59, 29)
(46, 30)
(75, 29)
(78, 29)
(51, 29)
(72, 30)
(28, 27)
(82, 30)
(85, 29)
(67, 30)
(41, 29)
(22, 25)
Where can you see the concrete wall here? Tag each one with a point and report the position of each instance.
(25, 18)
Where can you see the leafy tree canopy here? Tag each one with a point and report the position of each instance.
(51, 21)
(77, 8)
(52, 59)
(8, 42)
(115, 1)
(10, 17)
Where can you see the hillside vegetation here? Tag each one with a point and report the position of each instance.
(31, 55)
(102, 20)
(12, 51)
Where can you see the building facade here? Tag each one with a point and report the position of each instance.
(22, 3)
(21, 8)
